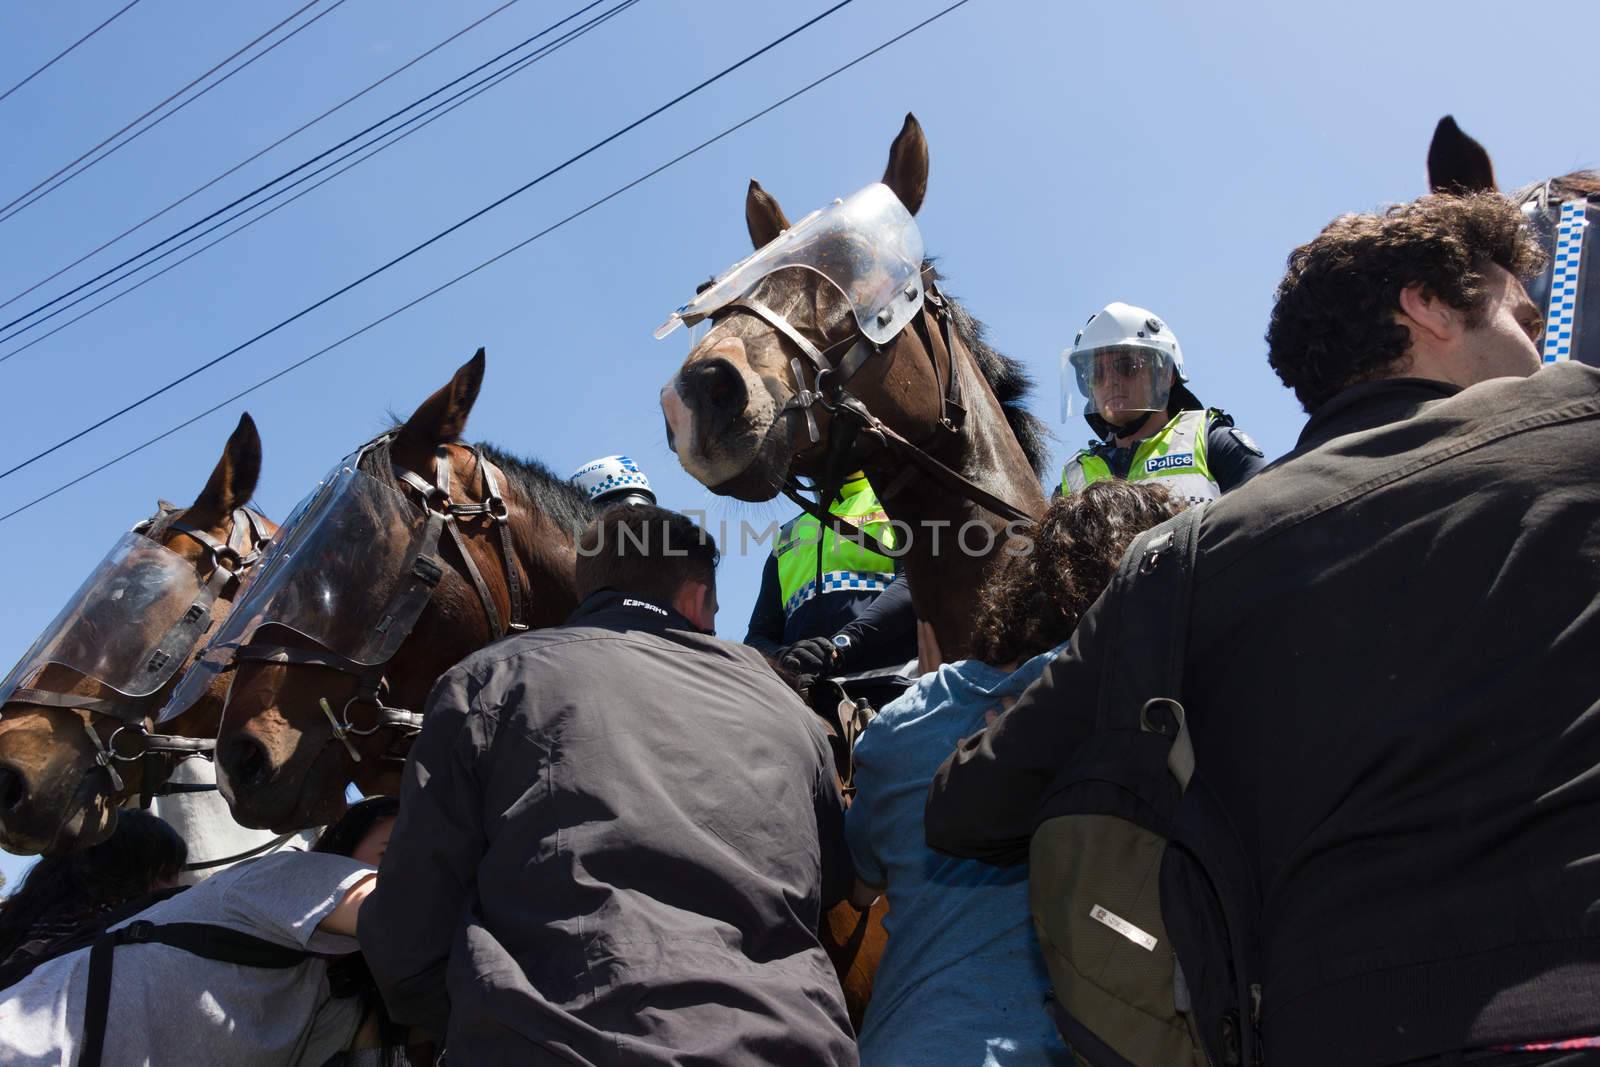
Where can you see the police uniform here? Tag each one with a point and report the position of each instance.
(1197, 455)
(818, 584)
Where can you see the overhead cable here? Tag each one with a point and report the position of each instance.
(395, 135)
(5, 209)
(197, 190)
(63, 53)
(303, 361)
(291, 171)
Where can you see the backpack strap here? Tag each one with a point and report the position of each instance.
(1142, 680)
(200, 939)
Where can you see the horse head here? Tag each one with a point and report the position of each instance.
(831, 350)
(74, 736)
(415, 553)
(1564, 213)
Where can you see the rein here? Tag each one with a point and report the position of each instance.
(230, 560)
(828, 392)
(422, 574)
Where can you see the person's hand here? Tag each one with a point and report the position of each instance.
(807, 660)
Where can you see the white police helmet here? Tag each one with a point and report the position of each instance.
(613, 480)
(1127, 344)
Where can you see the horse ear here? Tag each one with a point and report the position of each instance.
(907, 172)
(443, 416)
(1457, 163)
(233, 480)
(762, 215)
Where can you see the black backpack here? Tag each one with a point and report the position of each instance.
(1141, 894)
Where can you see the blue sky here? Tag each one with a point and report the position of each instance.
(1168, 155)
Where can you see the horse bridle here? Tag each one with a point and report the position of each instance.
(423, 570)
(230, 560)
(936, 324)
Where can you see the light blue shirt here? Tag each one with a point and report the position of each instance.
(962, 981)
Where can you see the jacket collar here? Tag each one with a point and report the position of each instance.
(1368, 405)
(612, 609)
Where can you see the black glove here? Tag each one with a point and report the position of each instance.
(807, 660)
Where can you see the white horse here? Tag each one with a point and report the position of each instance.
(197, 811)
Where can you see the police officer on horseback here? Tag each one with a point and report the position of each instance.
(829, 605)
(1127, 367)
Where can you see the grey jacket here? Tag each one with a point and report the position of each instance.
(615, 841)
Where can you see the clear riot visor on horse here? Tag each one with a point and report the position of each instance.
(867, 246)
(1116, 378)
(329, 578)
(1566, 229)
(130, 626)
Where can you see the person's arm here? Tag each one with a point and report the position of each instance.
(1234, 458)
(888, 621)
(342, 919)
(985, 796)
(428, 873)
(765, 632)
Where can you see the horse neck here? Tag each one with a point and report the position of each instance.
(945, 577)
(206, 825)
(546, 556)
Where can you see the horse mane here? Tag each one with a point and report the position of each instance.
(1567, 186)
(1008, 378)
(553, 496)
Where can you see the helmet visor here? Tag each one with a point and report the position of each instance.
(1115, 381)
(116, 629)
(867, 246)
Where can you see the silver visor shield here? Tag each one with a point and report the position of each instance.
(1118, 379)
(329, 577)
(866, 245)
(112, 630)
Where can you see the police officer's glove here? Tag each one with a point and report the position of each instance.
(807, 660)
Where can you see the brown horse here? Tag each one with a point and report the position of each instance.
(303, 718)
(1458, 163)
(733, 420)
(72, 748)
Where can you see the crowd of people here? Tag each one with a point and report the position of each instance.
(616, 838)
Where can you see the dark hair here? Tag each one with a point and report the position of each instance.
(644, 550)
(345, 833)
(60, 891)
(1033, 602)
(1334, 320)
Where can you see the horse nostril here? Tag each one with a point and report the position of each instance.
(246, 762)
(13, 788)
(717, 385)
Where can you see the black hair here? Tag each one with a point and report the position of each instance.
(142, 853)
(647, 551)
(344, 834)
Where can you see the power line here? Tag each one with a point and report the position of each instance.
(158, 107)
(296, 169)
(63, 53)
(558, 168)
(413, 61)
(164, 116)
(408, 305)
(453, 101)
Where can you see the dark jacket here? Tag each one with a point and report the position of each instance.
(882, 627)
(1393, 686)
(616, 837)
